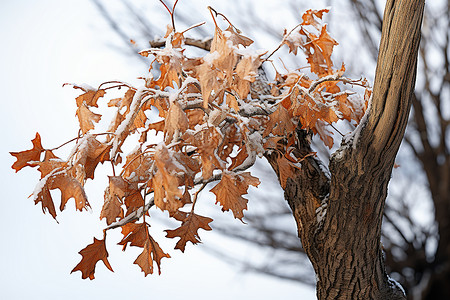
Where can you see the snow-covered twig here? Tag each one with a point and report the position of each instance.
(135, 215)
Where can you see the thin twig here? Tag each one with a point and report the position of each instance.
(225, 18)
(281, 43)
(172, 15)
(335, 129)
(168, 9)
(193, 26)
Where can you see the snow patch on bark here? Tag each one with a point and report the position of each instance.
(321, 212)
(396, 284)
(350, 140)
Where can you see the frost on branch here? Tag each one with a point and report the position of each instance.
(215, 115)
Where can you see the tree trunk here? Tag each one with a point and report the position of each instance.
(339, 213)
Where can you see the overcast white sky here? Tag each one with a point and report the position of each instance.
(44, 44)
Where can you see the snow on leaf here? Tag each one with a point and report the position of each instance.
(168, 76)
(209, 82)
(324, 134)
(91, 255)
(227, 58)
(206, 141)
(176, 121)
(90, 154)
(188, 231)
(246, 71)
(90, 98)
(167, 194)
(54, 175)
(46, 200)
(138, 165)
(133, 200)
(293, 40)
(238, 39)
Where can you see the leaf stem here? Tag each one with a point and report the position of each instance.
(335, 129)
(196, 196)
(281, 43)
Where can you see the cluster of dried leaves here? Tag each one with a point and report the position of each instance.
(213, 122)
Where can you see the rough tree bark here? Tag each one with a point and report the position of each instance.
(339, 213)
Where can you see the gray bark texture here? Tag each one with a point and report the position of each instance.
(339, 213)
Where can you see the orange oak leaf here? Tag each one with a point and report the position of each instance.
(246, 72)
(310, 112)
(176, 121)
(207, 75)
(324, 134)
(25, 157)
(308, 17)
(90, 97)
(238, 39)
(70, 188)
(191, 165)
(284, 169)
(42, 191)
(137, 166)
(112, 207)
(318, 50)
(326, 44)
(232, 102)
(167, 194)
(126, 100)
(230, 189)
(351, 109)
(47, 202)
(91, 152)
(134, 233)
(169, 74)
(157, 126)
(152, 253)
(195, 117)
(226, 59)
(91, 255)
(177, 39)
(206, 142)
(134, 200)
(188, 231)
(279, 123)
(239, 158)
(55, 176)
(121, 191)
(87, 118)
(49, 164)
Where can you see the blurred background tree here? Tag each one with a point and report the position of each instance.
(416, 228)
